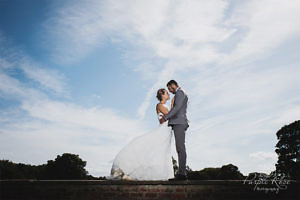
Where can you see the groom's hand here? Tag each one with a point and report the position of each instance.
(162, 120)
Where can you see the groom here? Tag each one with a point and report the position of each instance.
(179, 122)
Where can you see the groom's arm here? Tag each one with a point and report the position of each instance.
(179, 98)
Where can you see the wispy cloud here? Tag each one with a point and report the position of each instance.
(263, 155)
(266, 159)
(267, 25)
(73, 30)
(47, 78)
(13, 60)
(38, 104)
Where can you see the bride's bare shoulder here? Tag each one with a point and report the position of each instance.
(161, 108)
(158, 106)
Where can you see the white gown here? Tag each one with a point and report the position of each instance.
(146, 157)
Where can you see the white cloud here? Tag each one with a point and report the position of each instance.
(10, 85)
(38, 105)
(269, 23)
(48, 78)
(101, 119)
(4, 64)
(265, 160)
(290, 114)
(13, 59)
(260, 155)
(75, 28)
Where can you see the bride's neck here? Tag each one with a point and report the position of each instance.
(163, 101)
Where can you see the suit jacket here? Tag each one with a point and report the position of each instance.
(177, 115)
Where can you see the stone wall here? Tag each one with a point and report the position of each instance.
(124, 190)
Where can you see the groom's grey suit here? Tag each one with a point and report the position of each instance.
(179, 122)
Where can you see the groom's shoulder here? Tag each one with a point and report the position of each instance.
(181, 90)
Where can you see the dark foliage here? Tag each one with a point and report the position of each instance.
(226, 172)
(288, 151)
(67, 166)
(10, 170)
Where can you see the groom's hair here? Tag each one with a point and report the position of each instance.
(172, 82)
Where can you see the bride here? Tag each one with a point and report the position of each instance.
(148, 156)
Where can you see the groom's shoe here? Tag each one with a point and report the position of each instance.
(178, 177)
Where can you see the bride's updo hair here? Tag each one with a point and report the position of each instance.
(160, 92)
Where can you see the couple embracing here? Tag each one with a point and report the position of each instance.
(148, 156)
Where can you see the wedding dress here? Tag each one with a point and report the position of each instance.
(146, 157)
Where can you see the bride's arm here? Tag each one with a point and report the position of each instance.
(172, 103)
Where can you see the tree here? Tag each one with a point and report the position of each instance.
(67, 166)
(226, 172)
(288, 150)
(230, 171)
(10, 170)
(175, 166)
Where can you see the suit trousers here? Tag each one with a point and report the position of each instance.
(179, 133)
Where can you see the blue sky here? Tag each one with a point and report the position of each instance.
(81, 77)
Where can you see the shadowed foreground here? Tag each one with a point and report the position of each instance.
(107, 189)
